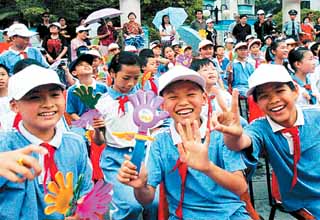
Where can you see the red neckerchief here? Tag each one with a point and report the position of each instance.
(153, 85)
(49, 165)
(257, 63)
(210, 109)
(122, 102)
(16, 121)
(24, 54)
(183, 170)
(307, 87)
(296, 151)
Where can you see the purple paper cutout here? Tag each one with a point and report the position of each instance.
(145, 114)
(87, 118)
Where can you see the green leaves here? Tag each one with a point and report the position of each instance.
(87, 96)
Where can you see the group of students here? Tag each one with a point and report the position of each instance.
(199, 154)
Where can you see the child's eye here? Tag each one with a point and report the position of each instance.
(262, 96)
(125, 78)
(136, 78)
(33, 97)
(172, 97)
(191, 94)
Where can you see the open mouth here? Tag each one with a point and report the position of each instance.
(184, 111)
(278, 108)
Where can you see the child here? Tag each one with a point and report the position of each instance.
(241, 70)
(37, 95)
(255, 56)
(4, 99)
(277, 53)
(267, 42)
(302, 62)
(155, 46)
(197, 186)
(170, 55)
(117, 115)
(100, 70)
(223, 62)
(150, 69)
(185, 58)
(82, 69)
(287, 135)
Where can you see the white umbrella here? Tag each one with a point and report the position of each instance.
(101, 14)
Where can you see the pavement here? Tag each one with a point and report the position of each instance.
(261, 200)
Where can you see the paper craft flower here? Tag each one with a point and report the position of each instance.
(60, 194)
(145, 114)
(96, 202)
(202, 34)
(184, 60)
(87, 118)
(87, 96)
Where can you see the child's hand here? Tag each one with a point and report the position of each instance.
(192, 151)
(98, 123)
(128, 174)
(306, 96)
(19, 162)
(228, 122)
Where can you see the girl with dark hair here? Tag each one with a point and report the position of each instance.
(117, 115)
(277, 52)
(167, 31)
(302, 62)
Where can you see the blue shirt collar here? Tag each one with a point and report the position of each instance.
(115, 94)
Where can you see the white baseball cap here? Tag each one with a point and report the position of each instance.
(260, 12)
(154, 44)
(290, 41)
(82, 28)
(204, 43)
(94, 52)
(130, 48)
(113, 46)
(229, 40)
(209, 20)
(250, 36)
(29, 78)
(57, 24)
(20, 30)
(254, 41)
(180, 73)
(240, 44)
(266, 73)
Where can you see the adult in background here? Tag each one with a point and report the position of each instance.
(167, 31)
(132, 28)
(233, 24)
(241, 30)
(19, 50)
(261, 27)
(55, 44)
(211, 32)
(307, 29)
(292, 28)
(6, 41)
(43, 28)
(317, 29)
(65, 30)
(79, 40)
(106, 35)
(199, 23)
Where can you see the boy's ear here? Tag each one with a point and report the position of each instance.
(14, 106)
(74, 73)
(295, 92)
(205, 98)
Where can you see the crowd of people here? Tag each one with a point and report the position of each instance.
(227, 105)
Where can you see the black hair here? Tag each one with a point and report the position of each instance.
(21, 64)
(165, 47)
(45, 13)
(144, 55)
(314, 48)
(197, 10)
(124, 58)
(162, 23)
(296, 55)
(197, 64)
(132, 13)
(215, 48)
(243, 15)
(255, 93)
(61, 17)
(5, 68)
(303, 20)
(273, 46)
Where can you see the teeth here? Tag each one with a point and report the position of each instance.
(184, 111)
(47, 114)
(276, 109)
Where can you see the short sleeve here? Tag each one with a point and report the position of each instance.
(154, 165)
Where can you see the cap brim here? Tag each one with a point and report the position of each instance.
(22, 93)
(84, 57)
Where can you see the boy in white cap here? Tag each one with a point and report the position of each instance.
(20, 49)
(286, 134)
(37, 94)
(200, 175)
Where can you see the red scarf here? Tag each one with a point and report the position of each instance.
(296, 151)
(24, 54)
(122, 102)
(49, 165)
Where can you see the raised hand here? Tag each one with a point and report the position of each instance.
(128, 174)
(95, 202)
(145, 114)
(228, 122)
(192, 151)
(86, 95)
(60, 195)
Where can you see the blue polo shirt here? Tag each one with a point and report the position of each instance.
(25, 201)
(241, 73)
(11, 57)
(204, 199)
(266, 136)
(75, 105)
